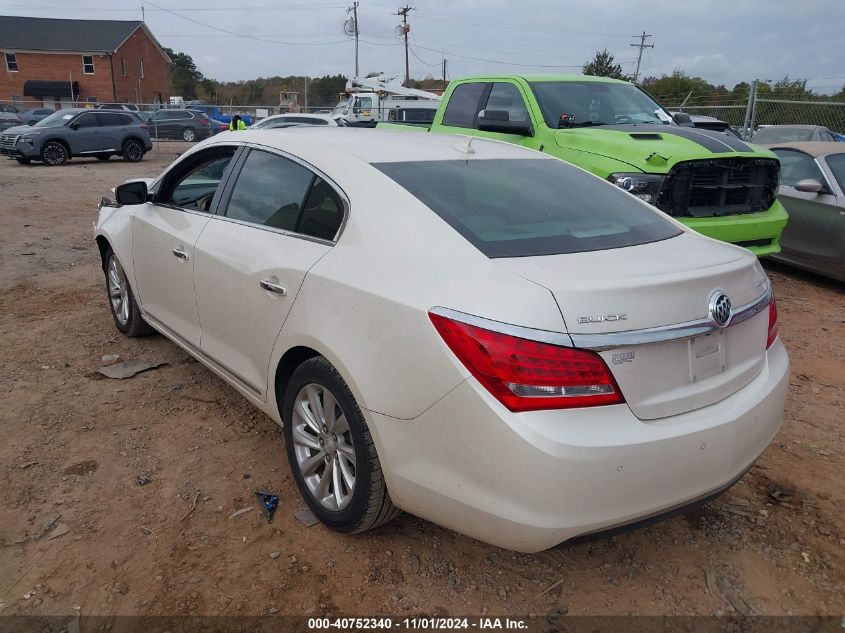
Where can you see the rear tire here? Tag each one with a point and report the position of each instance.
(189, 135)
(132, 151)
(338, 445)
(124, 308)
(54, 153)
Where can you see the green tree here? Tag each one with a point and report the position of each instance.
(602, 65)
(672, 89)
(185, 77)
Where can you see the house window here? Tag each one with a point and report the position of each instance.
(123, 66)
(92, 99)
(141, 67)
(17, 100)
(11, 62)
(88, 64)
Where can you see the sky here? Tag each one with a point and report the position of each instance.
(723, 41)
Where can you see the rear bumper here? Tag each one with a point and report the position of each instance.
(529, 481)
(758, 232)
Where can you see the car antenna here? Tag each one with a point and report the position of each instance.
(465, 147)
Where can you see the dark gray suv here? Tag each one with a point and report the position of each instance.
(78, 132)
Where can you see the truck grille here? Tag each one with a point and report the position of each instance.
(722, 186)
(7, 141)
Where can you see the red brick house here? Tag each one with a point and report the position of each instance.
(59, 62)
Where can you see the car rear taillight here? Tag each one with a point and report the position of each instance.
(144, 126)
(527, 375)
(773, 322)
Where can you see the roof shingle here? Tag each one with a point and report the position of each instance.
(50, 34)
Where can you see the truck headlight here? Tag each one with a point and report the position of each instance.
(645, 186)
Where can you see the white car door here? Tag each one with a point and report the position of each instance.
(276, 219)
(164, 233)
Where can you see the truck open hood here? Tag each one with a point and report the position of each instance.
(655, 148)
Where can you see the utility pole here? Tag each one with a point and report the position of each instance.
(642, 45)
(354, 31)
(444, 69)
(405, 28)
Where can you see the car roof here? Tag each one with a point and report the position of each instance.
(316, 144)
(796, 126)
(813, 148)
(546, 77)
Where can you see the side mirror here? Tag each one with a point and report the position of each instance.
(499, 121)
(683, 119)
(809, 185)
(131, 193)
(75, 125)
(30, 122)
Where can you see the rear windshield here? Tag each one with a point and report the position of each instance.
(527, 207)
(783, 134)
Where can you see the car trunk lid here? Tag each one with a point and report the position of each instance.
(654, 286)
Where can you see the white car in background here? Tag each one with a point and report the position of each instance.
(479, 334)
(294, 120)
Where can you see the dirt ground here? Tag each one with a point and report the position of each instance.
(142, 475)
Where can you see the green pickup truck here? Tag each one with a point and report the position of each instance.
(711, 181)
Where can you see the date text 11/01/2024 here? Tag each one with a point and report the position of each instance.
(418, 623)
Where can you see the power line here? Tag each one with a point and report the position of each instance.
(642, 45)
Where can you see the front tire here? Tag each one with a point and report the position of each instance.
(189, 135)
(124, 308)
(103, 156)
(54, 153)
(331, 451)
(22, 161)
(132, 151)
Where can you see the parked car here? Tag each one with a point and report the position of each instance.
(218, 126)
(34, 115)
(77, 132)
(709, 123)
(812, 188)
(477, 333)
(791, 133)
(9, 117)
(186, 125)
(290, 119)
(412, 115)
(128, 107)
(712, 182)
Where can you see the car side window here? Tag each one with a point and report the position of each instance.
(836, 164)
(796, 165)
(270, 191)
(322, 213)
(86, 120)
(109, 119)
(192, 185)
(463, 105)
(506, 97)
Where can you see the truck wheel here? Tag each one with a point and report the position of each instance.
(132, 151)
(189, 135)
(23, 161)
(54, 153)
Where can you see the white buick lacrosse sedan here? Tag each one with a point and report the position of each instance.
(478, 334)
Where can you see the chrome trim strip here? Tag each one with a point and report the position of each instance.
(677, 331)
(610, 340)
(531, 334)
(198, 353)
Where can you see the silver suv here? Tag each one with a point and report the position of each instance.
(78, 132)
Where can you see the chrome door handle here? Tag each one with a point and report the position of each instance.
(269, 286)
(180, 254)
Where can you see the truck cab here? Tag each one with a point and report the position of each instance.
(711, 181)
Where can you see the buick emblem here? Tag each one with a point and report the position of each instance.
(720, 308)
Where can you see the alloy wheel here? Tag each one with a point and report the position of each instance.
(323, 446)
(54, 154)
(118, 291)
(189, 135)
(134, 153)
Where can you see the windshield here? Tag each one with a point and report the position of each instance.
(589, 103)
(57, 118)
(341, 109)
(527, 207)
(783, 134)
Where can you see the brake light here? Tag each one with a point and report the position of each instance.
(773, 322)
(527, 375)
(144, 126)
